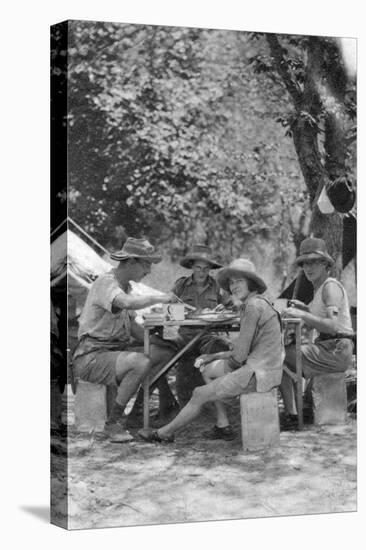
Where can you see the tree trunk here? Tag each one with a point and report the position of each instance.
(324, 78)
(330, 228)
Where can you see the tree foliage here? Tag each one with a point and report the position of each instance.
(191, 134)
(173, 134)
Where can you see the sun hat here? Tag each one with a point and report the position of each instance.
(240, 267)
(199, 252)
(313, 249)
(137, 248)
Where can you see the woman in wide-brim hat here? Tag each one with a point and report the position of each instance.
(329, 314)
(253, 364)
(240, 268)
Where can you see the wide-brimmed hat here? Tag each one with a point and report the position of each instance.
(240, 267)
(199, 252)
(137, 248)
(313, 248)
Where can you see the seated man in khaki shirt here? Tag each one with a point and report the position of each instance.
(104, 354)
(200, 290)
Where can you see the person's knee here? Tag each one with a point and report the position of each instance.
(140, 363)
(160, 355)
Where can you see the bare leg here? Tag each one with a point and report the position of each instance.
(222, 418)
(159, 356)
(200, 396)
(212, 371)
(186, 415)
(130, 370)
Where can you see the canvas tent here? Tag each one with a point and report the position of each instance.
(76, 264)
(74, 259)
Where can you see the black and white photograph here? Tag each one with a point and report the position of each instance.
(203, 274)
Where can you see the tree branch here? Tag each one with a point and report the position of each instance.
(278, 55)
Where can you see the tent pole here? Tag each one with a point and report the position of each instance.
(89, 237)
(58, 227)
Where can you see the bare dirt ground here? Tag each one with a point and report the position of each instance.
(194, 479)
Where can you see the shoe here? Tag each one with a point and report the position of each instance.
(117, 433)
(152, 436)
(289, 422)
(226, 433)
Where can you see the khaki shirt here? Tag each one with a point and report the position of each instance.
(259, 347)
(207, 297)
(99, 327)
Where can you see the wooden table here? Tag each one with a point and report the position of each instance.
(219, 326)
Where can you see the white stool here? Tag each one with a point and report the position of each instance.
(92, 405)
(329, 395)
(260, 423)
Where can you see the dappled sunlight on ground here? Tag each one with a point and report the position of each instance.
(194, 479)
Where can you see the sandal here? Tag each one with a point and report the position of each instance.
(152, 436)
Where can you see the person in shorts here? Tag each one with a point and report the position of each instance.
(329, 314)
(253, 364)
(104, 354)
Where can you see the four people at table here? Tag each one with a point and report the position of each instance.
(254, 361)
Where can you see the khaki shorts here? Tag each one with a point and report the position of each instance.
(230, 385)
(322, 357)
(99, 367)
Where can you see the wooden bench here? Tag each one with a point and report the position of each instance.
(93, 403)
(260, 424)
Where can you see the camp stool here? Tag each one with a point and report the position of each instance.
(329, 396)
(93, 403)
(260, 425)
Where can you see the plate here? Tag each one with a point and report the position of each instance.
(215, 318)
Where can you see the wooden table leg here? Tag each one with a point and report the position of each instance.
(146, 382)
(299, 397)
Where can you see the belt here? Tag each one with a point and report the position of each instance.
(338, 336)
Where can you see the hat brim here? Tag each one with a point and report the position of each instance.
(188, 260)
(314, 256)
(121, 257)
(227, 273)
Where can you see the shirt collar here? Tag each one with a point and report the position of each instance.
(210, 281)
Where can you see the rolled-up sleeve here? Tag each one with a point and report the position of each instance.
(248, 326)
(105, 293)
